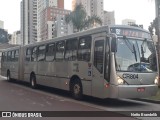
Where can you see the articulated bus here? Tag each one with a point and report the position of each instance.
(105, 62)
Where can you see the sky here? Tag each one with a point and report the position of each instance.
(143, 11)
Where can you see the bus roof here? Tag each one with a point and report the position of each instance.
(88, 32)
(128, 27)
(84, 33)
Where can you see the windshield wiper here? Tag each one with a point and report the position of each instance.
(130, 46)
(134, 51)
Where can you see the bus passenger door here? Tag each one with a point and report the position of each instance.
(98, 67)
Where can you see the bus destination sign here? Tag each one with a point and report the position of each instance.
(130, 33)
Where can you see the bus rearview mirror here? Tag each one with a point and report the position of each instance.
(114, 45)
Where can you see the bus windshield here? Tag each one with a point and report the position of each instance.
(135, 56)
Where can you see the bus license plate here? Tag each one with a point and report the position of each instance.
(140, 89)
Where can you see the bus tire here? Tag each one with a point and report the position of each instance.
(8, 76)
(76, 90)
(33, 81)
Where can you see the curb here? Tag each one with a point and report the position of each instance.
(149, 100)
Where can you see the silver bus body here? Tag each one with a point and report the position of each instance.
(98, 76)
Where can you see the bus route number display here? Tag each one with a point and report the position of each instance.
(130, 33)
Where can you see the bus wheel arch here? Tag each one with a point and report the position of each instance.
(76, 87)
(33, 82)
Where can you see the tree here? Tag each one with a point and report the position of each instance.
(80, 20)
(150, 28)
(154, 25)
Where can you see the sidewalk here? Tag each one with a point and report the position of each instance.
(148, 100)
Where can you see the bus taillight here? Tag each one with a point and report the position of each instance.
(107, 85)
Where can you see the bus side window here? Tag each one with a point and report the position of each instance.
(16, 55)
(99, 55)
(107, 62)
(60, 47)
(41, 53)
(71, 50)
(3, 57)
(28, 54)
(13, 56)
(34, 54)
(50, 52)
(8, 56)
(84, 49)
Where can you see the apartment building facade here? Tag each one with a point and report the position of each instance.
(53, 23)
(109, 18)
(32, 14)
(29, 21)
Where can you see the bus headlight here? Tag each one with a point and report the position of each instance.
(156, 80)
(120, 80)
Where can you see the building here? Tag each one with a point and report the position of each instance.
(24, 22)
(1, 24)
(97, 8)
(42, 6)
(29, 21)
(16, 38)
(157, 7)
(61, 4)
(53, 23)
(92, 7)
(109, 18)
(128, 22)
(73, 4)
(31, 14)
(3, 36)
(61, 27)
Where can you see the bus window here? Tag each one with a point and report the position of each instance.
(2, 57)
(34, 54)
(12, 56)
(84, 49)
(50, 52)
(98, 55)
(106, 65)
(28, 54)
(16, 55)
(60, 50)
(8, 55)
(5, 56)
(71, 49)
(41, 53)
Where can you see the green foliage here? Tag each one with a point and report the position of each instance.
(80, 20)
(154, 25)
(150, 28)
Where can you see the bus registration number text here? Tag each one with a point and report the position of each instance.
(130, 76)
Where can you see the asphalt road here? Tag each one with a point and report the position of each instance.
(15, 96)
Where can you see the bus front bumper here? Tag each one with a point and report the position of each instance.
(136, 91)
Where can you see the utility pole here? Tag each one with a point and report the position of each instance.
(157, 8)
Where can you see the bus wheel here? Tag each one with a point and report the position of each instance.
(76, 90)
(33, 81)
(8, 76)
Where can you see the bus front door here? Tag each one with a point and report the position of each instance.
(98, 67)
